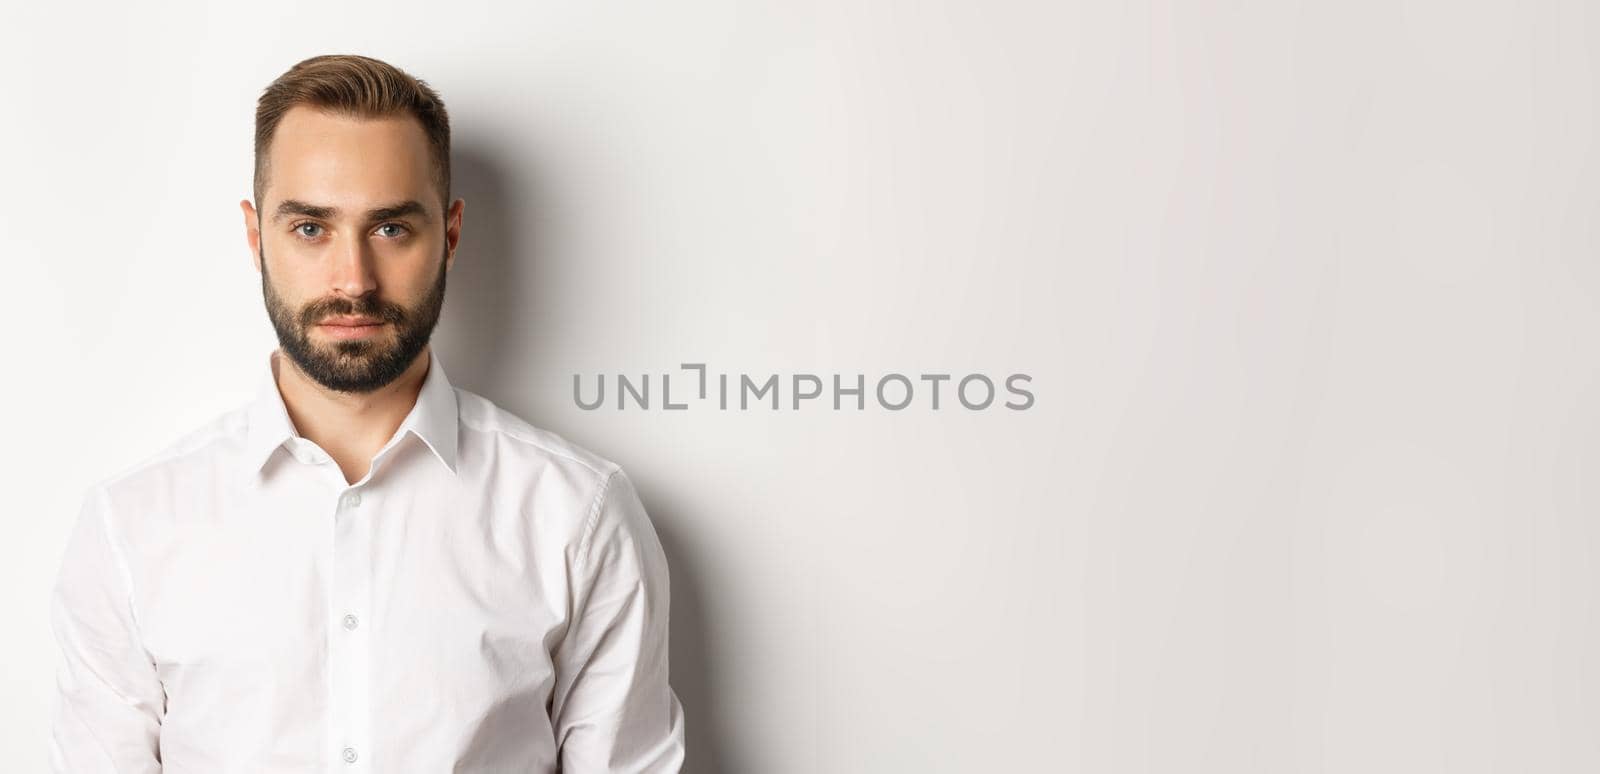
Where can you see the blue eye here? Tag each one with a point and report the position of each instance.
(300, 229)
(399, 229)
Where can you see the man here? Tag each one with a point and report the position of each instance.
(364, 569)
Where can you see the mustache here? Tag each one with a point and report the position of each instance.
(366, 306)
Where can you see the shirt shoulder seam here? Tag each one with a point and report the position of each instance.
(194, 443)
(592, 521)
(536, 443)
(103, 510)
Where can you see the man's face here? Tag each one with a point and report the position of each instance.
(358, 245)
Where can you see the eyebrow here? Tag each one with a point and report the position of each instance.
(291, 207)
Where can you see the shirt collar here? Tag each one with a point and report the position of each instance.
(433, 418)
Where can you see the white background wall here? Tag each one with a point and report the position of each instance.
(1308, 291)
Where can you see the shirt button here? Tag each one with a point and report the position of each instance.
(351, 622)
(353, 499)
(349, 755)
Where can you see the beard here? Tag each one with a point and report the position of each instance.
(354, 365)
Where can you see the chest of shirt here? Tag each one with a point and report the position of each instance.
(427, 589)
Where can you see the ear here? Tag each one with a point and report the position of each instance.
(252, 232)
(452, 231)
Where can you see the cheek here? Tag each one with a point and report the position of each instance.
(289, 259)
(406, 276)
(290, 285)
(289, 291)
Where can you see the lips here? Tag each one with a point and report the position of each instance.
(348, 328)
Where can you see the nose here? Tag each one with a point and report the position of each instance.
(352, 268)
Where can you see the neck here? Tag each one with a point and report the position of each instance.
(351, 427)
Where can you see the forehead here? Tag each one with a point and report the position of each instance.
(338, 160)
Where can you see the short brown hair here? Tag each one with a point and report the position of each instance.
(358, 86)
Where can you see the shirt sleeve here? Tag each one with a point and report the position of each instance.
(612, 709)
(109, 699)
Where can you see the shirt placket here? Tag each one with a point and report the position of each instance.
(349, 633)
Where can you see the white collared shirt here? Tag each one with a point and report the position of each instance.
(487, 598)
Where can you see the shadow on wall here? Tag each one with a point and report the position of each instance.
(498, 284)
